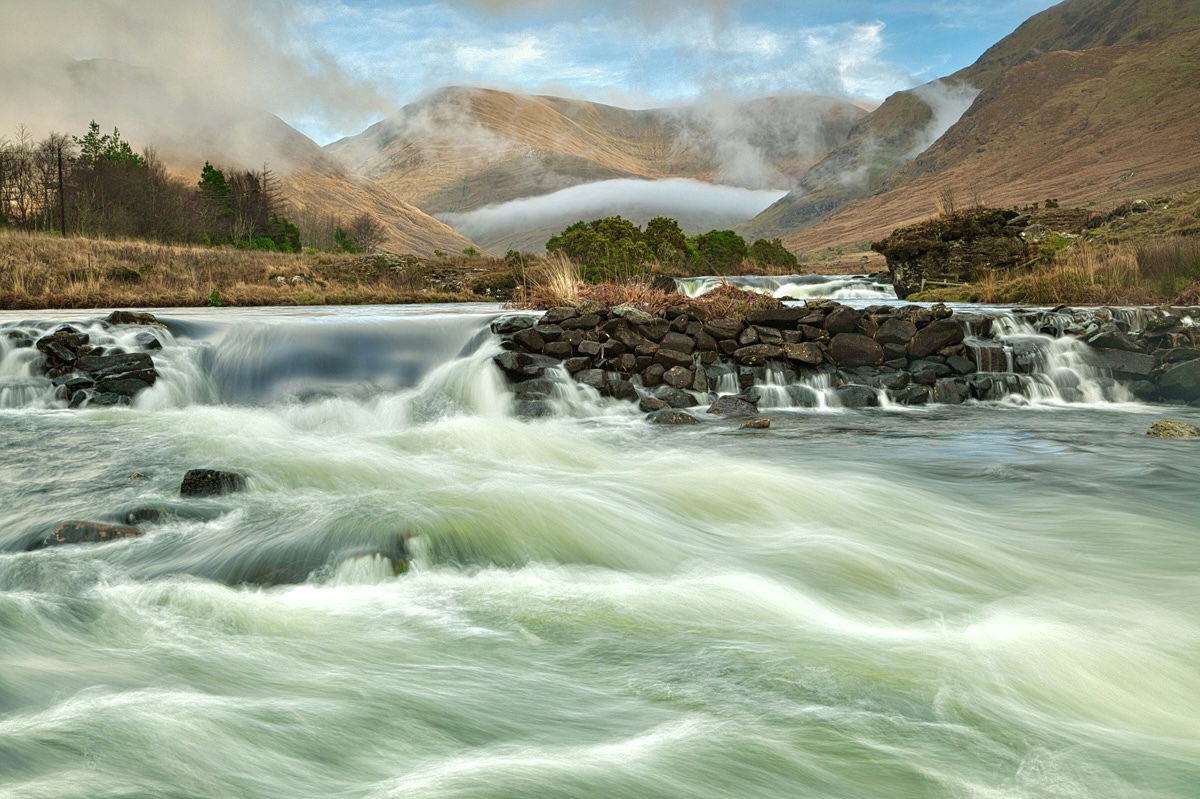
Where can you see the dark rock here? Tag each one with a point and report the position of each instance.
(549, 332)
(700, 381)
(133, 318)
(518, 365)
(591, 308)
(85, 533)
(655, 330)
(671, 416)
(573, 365)
(679, 377)
(855, 349)
(705, 342)
(810, 333)
(853, 395)
(669, 358)
(960, 364)
(114, 365)
(1123, 362)
(950, 391)
(558, 349)
(1111, 338)
(678, 342)
(723, 328)
(937, 334)
(927, 372)
(532, 408)
(843, 319)
(1143, 390)
(780, 318)
(652, 375)
(768, 335)
(1177, 354)
(1181, 381)
(147, 341)
(507, 325)
(808, 353)
(757, 354)
(676, 398)
(650, 404)
(626, 364)
(126, 386)
(632, 315)
(733, 405)
(623, 390)
(895, 331)
(912, 394)
(584, 322)
(101, 399)
(590, 348)
(594, 378)
(210, 483)
(748, 337)
(894, 381)
(558, 315)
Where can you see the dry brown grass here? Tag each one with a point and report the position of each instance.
(555, 283)
(1164, 270)
(39, 271)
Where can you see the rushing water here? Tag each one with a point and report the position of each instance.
(795, 287)
(989, 600)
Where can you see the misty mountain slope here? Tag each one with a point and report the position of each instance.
(460, 149)
(889, 137)
(186, 130)
(1102, 125)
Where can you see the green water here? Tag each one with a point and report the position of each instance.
(946, 602)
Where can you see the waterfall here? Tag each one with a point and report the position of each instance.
(793, 287)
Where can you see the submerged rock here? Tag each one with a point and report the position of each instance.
(757, 424)
(85, 533)
(210, 483)
(1172, 428)
(733, 405)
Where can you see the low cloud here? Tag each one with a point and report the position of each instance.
(676, 197)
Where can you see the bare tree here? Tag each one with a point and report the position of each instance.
(367, 232)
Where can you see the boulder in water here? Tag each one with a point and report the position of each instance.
(853, 395)
(1172, 428)
(934, 336)
(1181, 381)
(671, 416)
(807, 353)
(85, 533)
(733, 405)
(133, 318)
(762, 423)
(210, 482)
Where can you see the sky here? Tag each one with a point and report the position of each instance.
(333, 67)
(645, 53)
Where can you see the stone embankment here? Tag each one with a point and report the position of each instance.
(901, 354)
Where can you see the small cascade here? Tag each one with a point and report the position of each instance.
(793, 287)
(1050, 365)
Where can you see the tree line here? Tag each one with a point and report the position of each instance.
(614, 248)
(97, 185)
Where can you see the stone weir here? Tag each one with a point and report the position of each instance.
(826, 353)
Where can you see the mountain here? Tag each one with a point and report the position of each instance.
(887, 150)
(185, 130)
(460, 149)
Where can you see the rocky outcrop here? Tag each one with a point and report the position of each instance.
(957, 248)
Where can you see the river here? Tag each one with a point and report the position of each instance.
(992, 600)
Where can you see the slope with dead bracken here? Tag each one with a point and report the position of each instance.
(464, 148)
(187, 130)
(1099, 126)
(880, 146)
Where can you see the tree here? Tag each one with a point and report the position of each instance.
(719, 251)
(665, 239)
(366, 232)
(770, 253)
(94, 148)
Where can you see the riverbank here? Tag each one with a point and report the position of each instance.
(44, 271)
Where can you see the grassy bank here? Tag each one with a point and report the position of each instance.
(42, 271)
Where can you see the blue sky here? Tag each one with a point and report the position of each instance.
(642, 53)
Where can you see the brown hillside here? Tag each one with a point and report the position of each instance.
(460, 149)
(1099, 126)
(885, 140)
